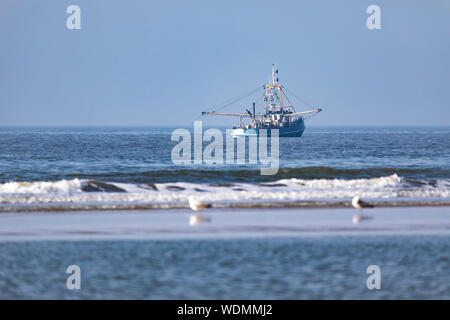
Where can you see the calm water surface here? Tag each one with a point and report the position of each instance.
(330, 267)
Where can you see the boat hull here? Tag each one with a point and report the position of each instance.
(294, 130)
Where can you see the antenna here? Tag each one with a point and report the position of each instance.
(275, 78)
(273, 74)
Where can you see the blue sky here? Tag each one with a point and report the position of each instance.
(163, 62)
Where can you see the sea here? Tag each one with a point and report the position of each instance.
(96, 177)
(110, 168)
(328, 267)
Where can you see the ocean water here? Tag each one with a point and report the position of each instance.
(327, 267)
(323, 255)
(126, 168)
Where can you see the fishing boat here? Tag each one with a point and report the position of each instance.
(279, 113)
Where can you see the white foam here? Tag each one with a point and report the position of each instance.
(391, 181)
(287, 190)
(42, 187)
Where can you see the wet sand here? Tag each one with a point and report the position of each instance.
(225, 223)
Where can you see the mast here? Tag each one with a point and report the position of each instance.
(274, 86)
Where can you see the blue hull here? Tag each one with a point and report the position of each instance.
(294, 130)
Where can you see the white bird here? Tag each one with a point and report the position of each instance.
(197, 218)
(197, 205)
(359, 204)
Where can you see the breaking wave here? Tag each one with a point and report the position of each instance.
(83, 194)
(207, 175)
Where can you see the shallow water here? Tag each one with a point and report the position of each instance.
(325, 267)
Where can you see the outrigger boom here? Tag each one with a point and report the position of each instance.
(258, 114)
(277, 115)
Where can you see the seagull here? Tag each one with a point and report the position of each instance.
(359, 204)
(197, 205)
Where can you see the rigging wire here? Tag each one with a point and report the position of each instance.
(235, 99)
(283, 93)
(260, 100)
(231, 101)
(250, 93)
(306, 103)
